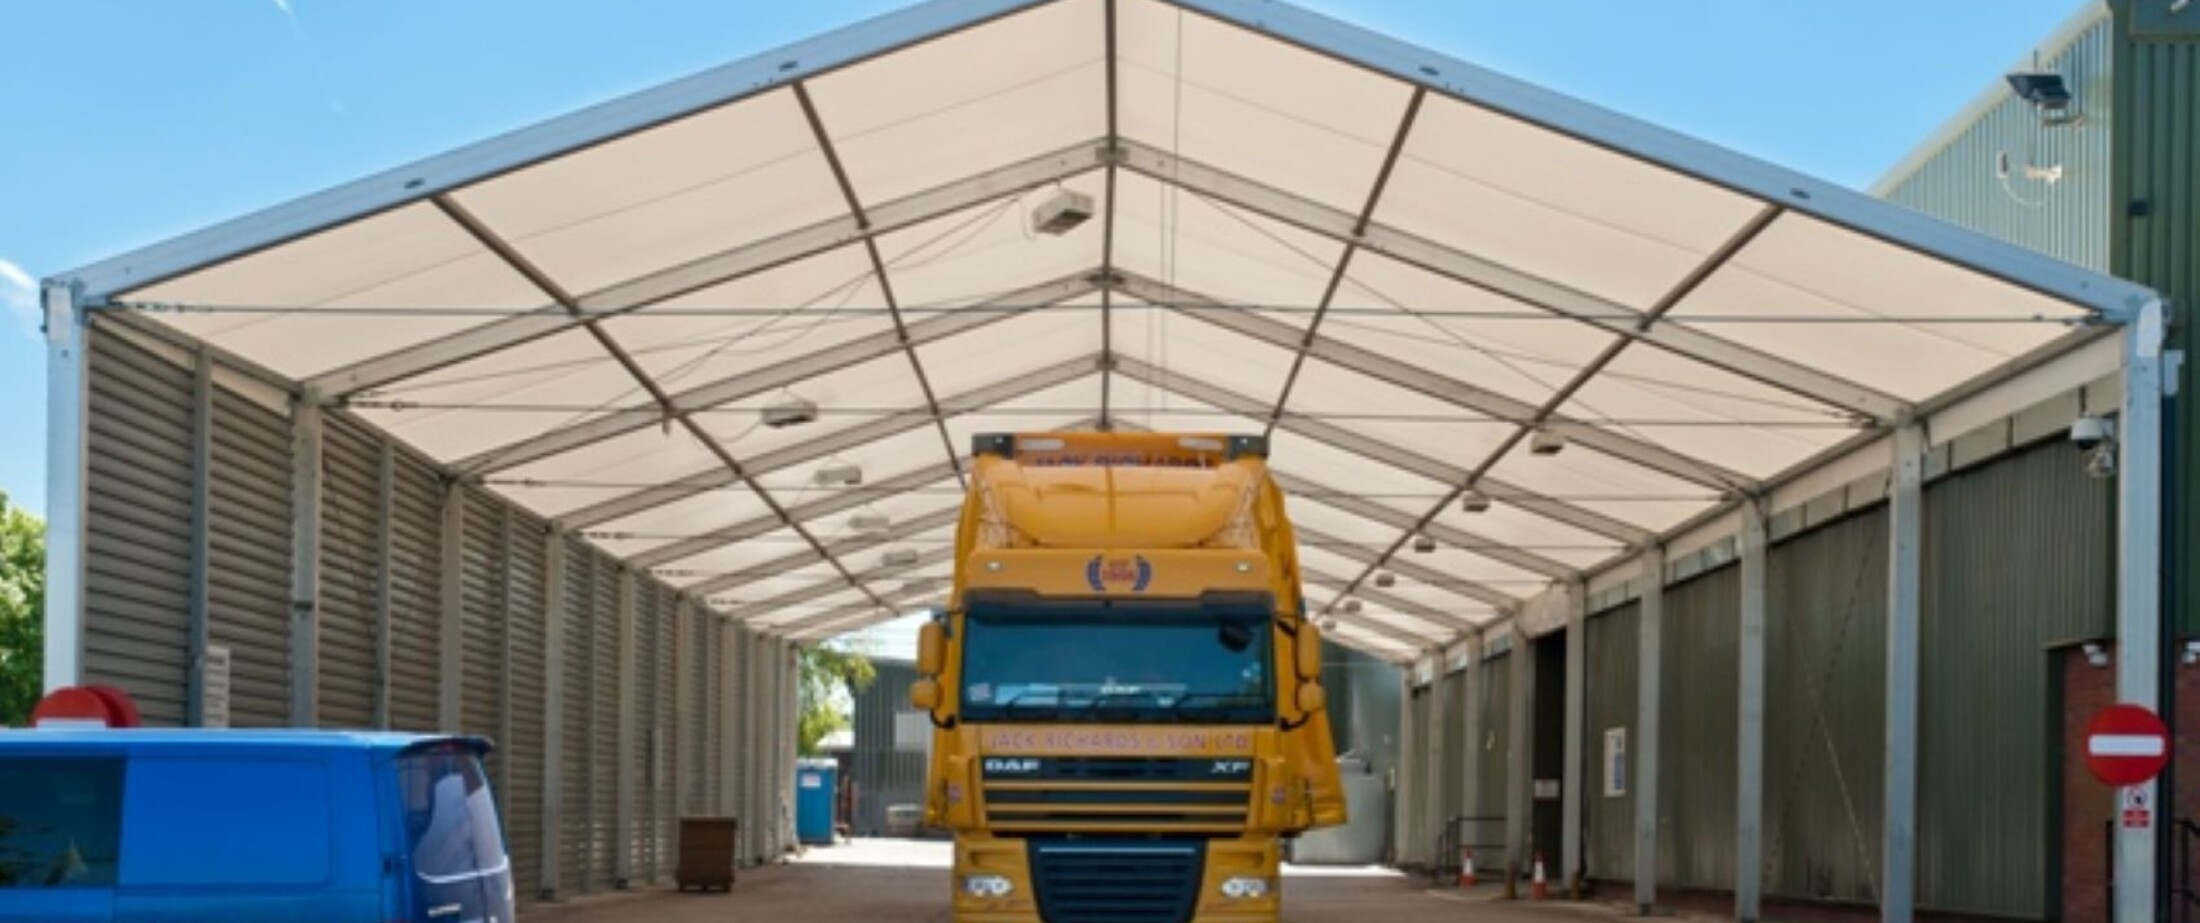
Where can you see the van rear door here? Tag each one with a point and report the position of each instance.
(60, 838)
(454, 845)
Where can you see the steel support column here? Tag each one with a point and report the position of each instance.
(1905, 602)
(68, 417)
(1405, 827)
(553, 708)
(630, 738)
(202, 468)
(451, 670)
(1749, 744)
(1471, 730)
(1643, 758)
(1519, 795)
(2139, 591)
(306, 438)
(726, 708)
(1431, 795)
(1576, 725)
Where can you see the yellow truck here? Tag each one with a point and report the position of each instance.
(1125, 688)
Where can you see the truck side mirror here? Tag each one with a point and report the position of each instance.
(924, 694)
(1309, 651)
(1312, 698)
(931, 649)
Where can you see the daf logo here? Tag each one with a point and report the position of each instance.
(1011, 767)
(1232, 767)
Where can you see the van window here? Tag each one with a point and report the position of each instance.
(60, 822)
(228, 823)
(450, 817)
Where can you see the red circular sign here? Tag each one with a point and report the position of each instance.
(2126, 745)
(72, 704)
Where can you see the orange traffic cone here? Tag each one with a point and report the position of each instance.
(1539, 888)
(1466, 868)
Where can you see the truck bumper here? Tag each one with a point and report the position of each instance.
(1013, 859)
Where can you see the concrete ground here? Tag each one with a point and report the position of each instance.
(894, 881)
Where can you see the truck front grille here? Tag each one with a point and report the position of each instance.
(1096, 881)
(1170, 796)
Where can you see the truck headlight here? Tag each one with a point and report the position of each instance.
(987, 886)
(1242, 887)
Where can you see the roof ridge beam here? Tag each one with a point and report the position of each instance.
(717, 269)
(1543, 294)
(1430, 383)
(841, 440)
(773, 377)
(1346, 440)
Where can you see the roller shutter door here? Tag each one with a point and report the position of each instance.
(248, 545)
(137, 567)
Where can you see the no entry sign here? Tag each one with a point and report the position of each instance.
(2126, 745)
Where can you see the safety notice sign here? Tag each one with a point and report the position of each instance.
(2137, 814)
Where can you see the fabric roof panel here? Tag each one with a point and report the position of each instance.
(1218, 250)
(1281, 116)
(1013, 346)
(483, 404)
(1509, 525)
(985, 251)
(1746, 426)
(1603, 484)
(773, 316)
(551, 486)
(1532, 200)
(1025, 84)
(845, 399)
(1416, 422)
(1164, 340)
(649, 201)
(1864, 309)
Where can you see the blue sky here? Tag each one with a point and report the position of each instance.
(129, 122)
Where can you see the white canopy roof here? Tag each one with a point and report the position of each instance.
(1402, 265)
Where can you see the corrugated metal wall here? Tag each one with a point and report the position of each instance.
(1961, 182)
(1697, 709)
(381, 605)
(1451, 789)
(881, 770)
(138, 519)
(1492, 756)
(248, 572)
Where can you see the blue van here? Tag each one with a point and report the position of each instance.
(123, 826)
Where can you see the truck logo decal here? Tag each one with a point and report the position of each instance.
(1105, 573)
(1232, 767)
(1011, 767)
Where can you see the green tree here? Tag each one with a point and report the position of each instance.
(22, 612)
(829, 677)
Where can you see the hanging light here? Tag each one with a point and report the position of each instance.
(838, 474)
(1475, 501)
(1386, 580)
(1423, 544)
(869, 522)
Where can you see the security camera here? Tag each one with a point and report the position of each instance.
(2087, 433)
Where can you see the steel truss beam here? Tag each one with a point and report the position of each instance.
(1343, 268)
(1461, 539)
(937, 519)
(1374, 450)
(714, 270)
(878, 269)
(1458, 586)
(1431, 384)
(1563, 301)
(974, 400)
(768, 379)
(751, 613)
(763, 525)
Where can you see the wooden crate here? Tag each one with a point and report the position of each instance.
(707, 853)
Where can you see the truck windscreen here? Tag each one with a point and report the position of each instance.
(1098, 665)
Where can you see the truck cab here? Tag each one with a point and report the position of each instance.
(1125, 688)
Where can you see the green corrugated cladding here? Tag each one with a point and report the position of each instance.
(1363, 705)
(1609, 821)
(2006, 581)
(1825, 710)
(2156, 216)
(1492, 753)
(1696, 717)
(2019, 558)
(2069, 218)
(1451, 796)
(881, 773)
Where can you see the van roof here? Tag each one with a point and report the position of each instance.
(136, 738)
